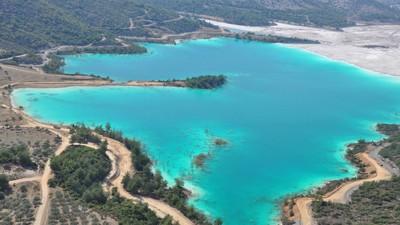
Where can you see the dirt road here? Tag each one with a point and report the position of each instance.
(304, 206)
(342, 194)
(125, 167)
(42, 213)
(23, 180)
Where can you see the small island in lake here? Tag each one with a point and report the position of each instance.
(200, 159)
(220, 142)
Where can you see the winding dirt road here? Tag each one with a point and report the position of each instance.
(125, 167)
(120, 155)
(122, 164)
(342, 193)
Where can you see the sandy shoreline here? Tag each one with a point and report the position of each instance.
(375, 48)
(21, 77)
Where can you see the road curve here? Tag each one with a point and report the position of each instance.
(339, 196)
(125, 166)
(341, 193)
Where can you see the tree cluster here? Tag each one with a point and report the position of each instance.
(81, 170)
(83, 135)
(206, 82)
(4, 186)
(184, 25)
(18, 154)
(54, 65)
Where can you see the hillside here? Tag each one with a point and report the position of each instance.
(32, 25)
(332, 13)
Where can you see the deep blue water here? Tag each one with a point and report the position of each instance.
(287, 115)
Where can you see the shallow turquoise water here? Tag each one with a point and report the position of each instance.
(286, 113)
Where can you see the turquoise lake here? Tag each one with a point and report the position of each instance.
(286, 113)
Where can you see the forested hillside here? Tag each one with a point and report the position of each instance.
(332, 13)
(32, 25)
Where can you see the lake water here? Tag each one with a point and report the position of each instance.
(287, 115)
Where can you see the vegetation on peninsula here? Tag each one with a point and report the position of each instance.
(54, 65)
(147, 183)
(81, 170)
(206, 82)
